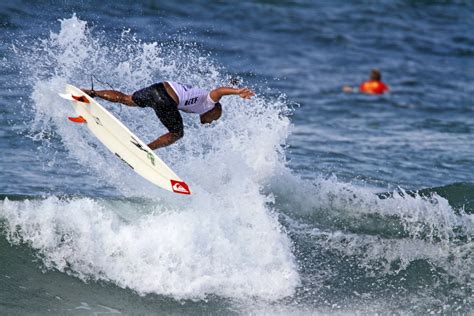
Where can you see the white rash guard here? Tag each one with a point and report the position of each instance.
(192, 99)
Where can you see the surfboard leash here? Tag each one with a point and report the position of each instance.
(100, 81)
(104, 83)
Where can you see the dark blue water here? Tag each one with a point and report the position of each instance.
(307, 199)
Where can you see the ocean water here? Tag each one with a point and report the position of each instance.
(306, 200)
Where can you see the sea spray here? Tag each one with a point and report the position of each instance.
(222, 240)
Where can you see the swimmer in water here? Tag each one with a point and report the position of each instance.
(372, 86)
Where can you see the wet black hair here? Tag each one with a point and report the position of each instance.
(375, 74)
(216, 109)
(218, 106)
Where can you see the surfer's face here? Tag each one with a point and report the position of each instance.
(212, 115)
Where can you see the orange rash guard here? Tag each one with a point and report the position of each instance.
(373, 87)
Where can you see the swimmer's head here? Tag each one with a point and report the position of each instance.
(375, 75)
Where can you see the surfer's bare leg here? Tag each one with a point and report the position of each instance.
(112, 96)
(165, 140)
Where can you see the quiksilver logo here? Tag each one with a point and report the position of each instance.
(180, 187)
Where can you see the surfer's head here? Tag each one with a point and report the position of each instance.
(212, 115)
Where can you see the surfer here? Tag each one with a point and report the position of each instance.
(372, 86)
(168, 98)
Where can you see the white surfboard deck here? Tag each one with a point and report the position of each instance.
(122, 142)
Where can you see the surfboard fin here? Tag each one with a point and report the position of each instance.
(78, 119)
(81, 98)
(71, 97)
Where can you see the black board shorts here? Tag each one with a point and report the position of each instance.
(156, 97)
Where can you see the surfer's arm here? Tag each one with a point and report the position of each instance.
(217, 94)
(112, 96)
(165, 140)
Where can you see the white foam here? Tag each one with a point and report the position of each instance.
(235, 251)
(221, 240)
(380, 232)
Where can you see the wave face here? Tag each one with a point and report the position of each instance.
(349, 247)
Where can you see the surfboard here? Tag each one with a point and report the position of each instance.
(122, 142)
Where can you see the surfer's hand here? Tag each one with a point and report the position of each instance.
(245, 93)
(90, 93)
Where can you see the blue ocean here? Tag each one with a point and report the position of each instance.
(306, 200)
